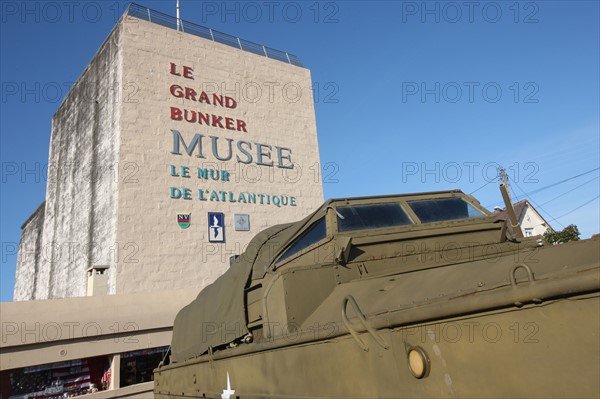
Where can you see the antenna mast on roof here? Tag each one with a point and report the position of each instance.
(178, 20)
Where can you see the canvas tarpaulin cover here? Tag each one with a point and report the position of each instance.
(218, 316)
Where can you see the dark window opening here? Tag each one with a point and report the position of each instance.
(55, 380)
(361, 217)
(314, 234)
(136, 367)
(438, 210)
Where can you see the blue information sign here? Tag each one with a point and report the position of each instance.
(216, 227)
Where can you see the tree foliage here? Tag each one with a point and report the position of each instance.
(569, 233)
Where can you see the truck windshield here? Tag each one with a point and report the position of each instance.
(360, 217)
(438, 210)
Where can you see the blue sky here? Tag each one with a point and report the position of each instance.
(409, 96)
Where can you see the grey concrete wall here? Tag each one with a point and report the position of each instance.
(80, 210)
(157, 254)
(30, 255)
(35, 332)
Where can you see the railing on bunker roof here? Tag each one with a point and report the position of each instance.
(169, 21)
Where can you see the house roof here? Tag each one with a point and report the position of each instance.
(520, 208)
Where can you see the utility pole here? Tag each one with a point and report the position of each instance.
(512, 217)
(503, 176)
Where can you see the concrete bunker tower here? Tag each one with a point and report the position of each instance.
(174, 148)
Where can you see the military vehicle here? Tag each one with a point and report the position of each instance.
(416, 296)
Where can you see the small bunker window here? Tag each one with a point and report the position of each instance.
(438, 210)
(314, 234)
(362, 217)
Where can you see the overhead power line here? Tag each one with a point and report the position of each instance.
(473, 192)
(537, 206)
(559, 182)
(527, 195)
(579, 207)
(571, 190)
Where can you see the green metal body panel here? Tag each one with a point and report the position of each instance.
(491, 316)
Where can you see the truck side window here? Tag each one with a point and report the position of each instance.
(314, 234)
